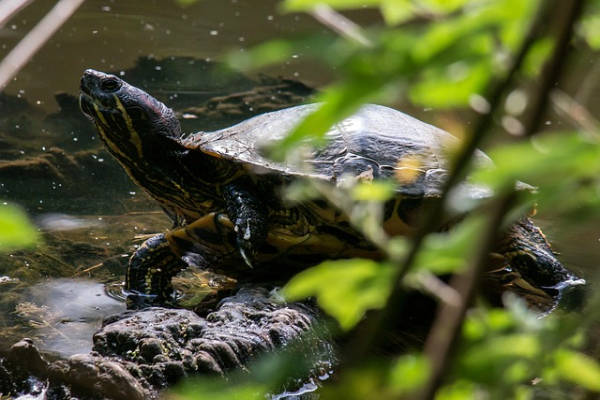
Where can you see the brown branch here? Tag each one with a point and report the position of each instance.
(9, 8)
(448, 322)
(340, 24)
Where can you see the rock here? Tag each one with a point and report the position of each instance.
(173, 343)
(26, 354)
(91, 375)
(138, 353)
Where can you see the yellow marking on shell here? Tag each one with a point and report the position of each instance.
(134, 136)
(408, 169)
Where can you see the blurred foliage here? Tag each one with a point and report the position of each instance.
(540, 162)
(16, 231)
(365, 284)
(590, 25)
(442, 54)
(185, 3)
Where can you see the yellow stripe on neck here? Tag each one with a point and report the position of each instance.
(135, 139)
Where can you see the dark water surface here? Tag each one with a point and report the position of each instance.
(52, 163)
(111, 35)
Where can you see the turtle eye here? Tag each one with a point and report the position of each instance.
(110, 85)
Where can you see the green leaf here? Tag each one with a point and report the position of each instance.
(447, 252)
(373, 191)
(15, 229)
(307, 5)
(345, 289)
(540, 161)
(487, 361)
(479, 324)
(459, 390)
(272, 52)
(397, 11)
(452, 87)
(590, 30)
(408, 373)
(483, 17)
(524, 392)
(185, 3)
(578, 368)
(445, 6)
(537, 56)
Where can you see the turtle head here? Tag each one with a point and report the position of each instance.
(134, 125)
(529, 253)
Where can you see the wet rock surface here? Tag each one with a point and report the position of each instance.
(138, 353)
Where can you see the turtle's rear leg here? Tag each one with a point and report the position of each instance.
(150, 271)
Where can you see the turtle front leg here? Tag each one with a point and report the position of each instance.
(162, 256)
(149, 274)
(249, 218)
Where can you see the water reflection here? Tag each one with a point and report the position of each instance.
(66, 313)
(64, 222)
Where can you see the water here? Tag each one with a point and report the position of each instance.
(111, 35)
(93, 217)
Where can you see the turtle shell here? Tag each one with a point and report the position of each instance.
(375, 142)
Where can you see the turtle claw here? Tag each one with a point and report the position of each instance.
(244, 243)
(246, 251)
(246, 258)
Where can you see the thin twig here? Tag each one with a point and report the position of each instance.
(96, 266)
(570, 10)
(570, 108)
(58, 260)
(437, 288)
(31, 43)
(340, 24)
(589, 85)
(9, 8)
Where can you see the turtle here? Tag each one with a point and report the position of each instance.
(224, 195)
